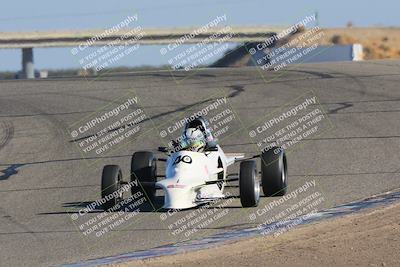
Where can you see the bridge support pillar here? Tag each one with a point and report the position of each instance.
(28, 70)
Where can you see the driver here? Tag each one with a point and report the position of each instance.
(197, 136)
(194, 140)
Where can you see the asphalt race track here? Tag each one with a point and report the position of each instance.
(44, 178)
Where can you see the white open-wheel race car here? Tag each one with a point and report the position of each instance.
(193, 177)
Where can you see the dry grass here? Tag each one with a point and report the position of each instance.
(378, 43)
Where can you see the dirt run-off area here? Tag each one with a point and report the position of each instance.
(368, 238)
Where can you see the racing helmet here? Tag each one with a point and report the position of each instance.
(202, 124)
(194, 139)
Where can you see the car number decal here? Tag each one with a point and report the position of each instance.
(185, 159)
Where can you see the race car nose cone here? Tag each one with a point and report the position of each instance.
(177, 196)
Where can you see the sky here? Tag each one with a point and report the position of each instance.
(42, 15)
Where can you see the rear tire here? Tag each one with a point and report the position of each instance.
(111, 179)
(144, 168)
(249, 186)
(274, 172)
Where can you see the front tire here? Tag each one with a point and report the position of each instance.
(111, 180)
(249, 186)
(274, 172)
(144, 169)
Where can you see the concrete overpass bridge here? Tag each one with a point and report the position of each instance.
(26, 41)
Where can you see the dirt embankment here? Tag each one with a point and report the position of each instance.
(371, 238)
(378, 43)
